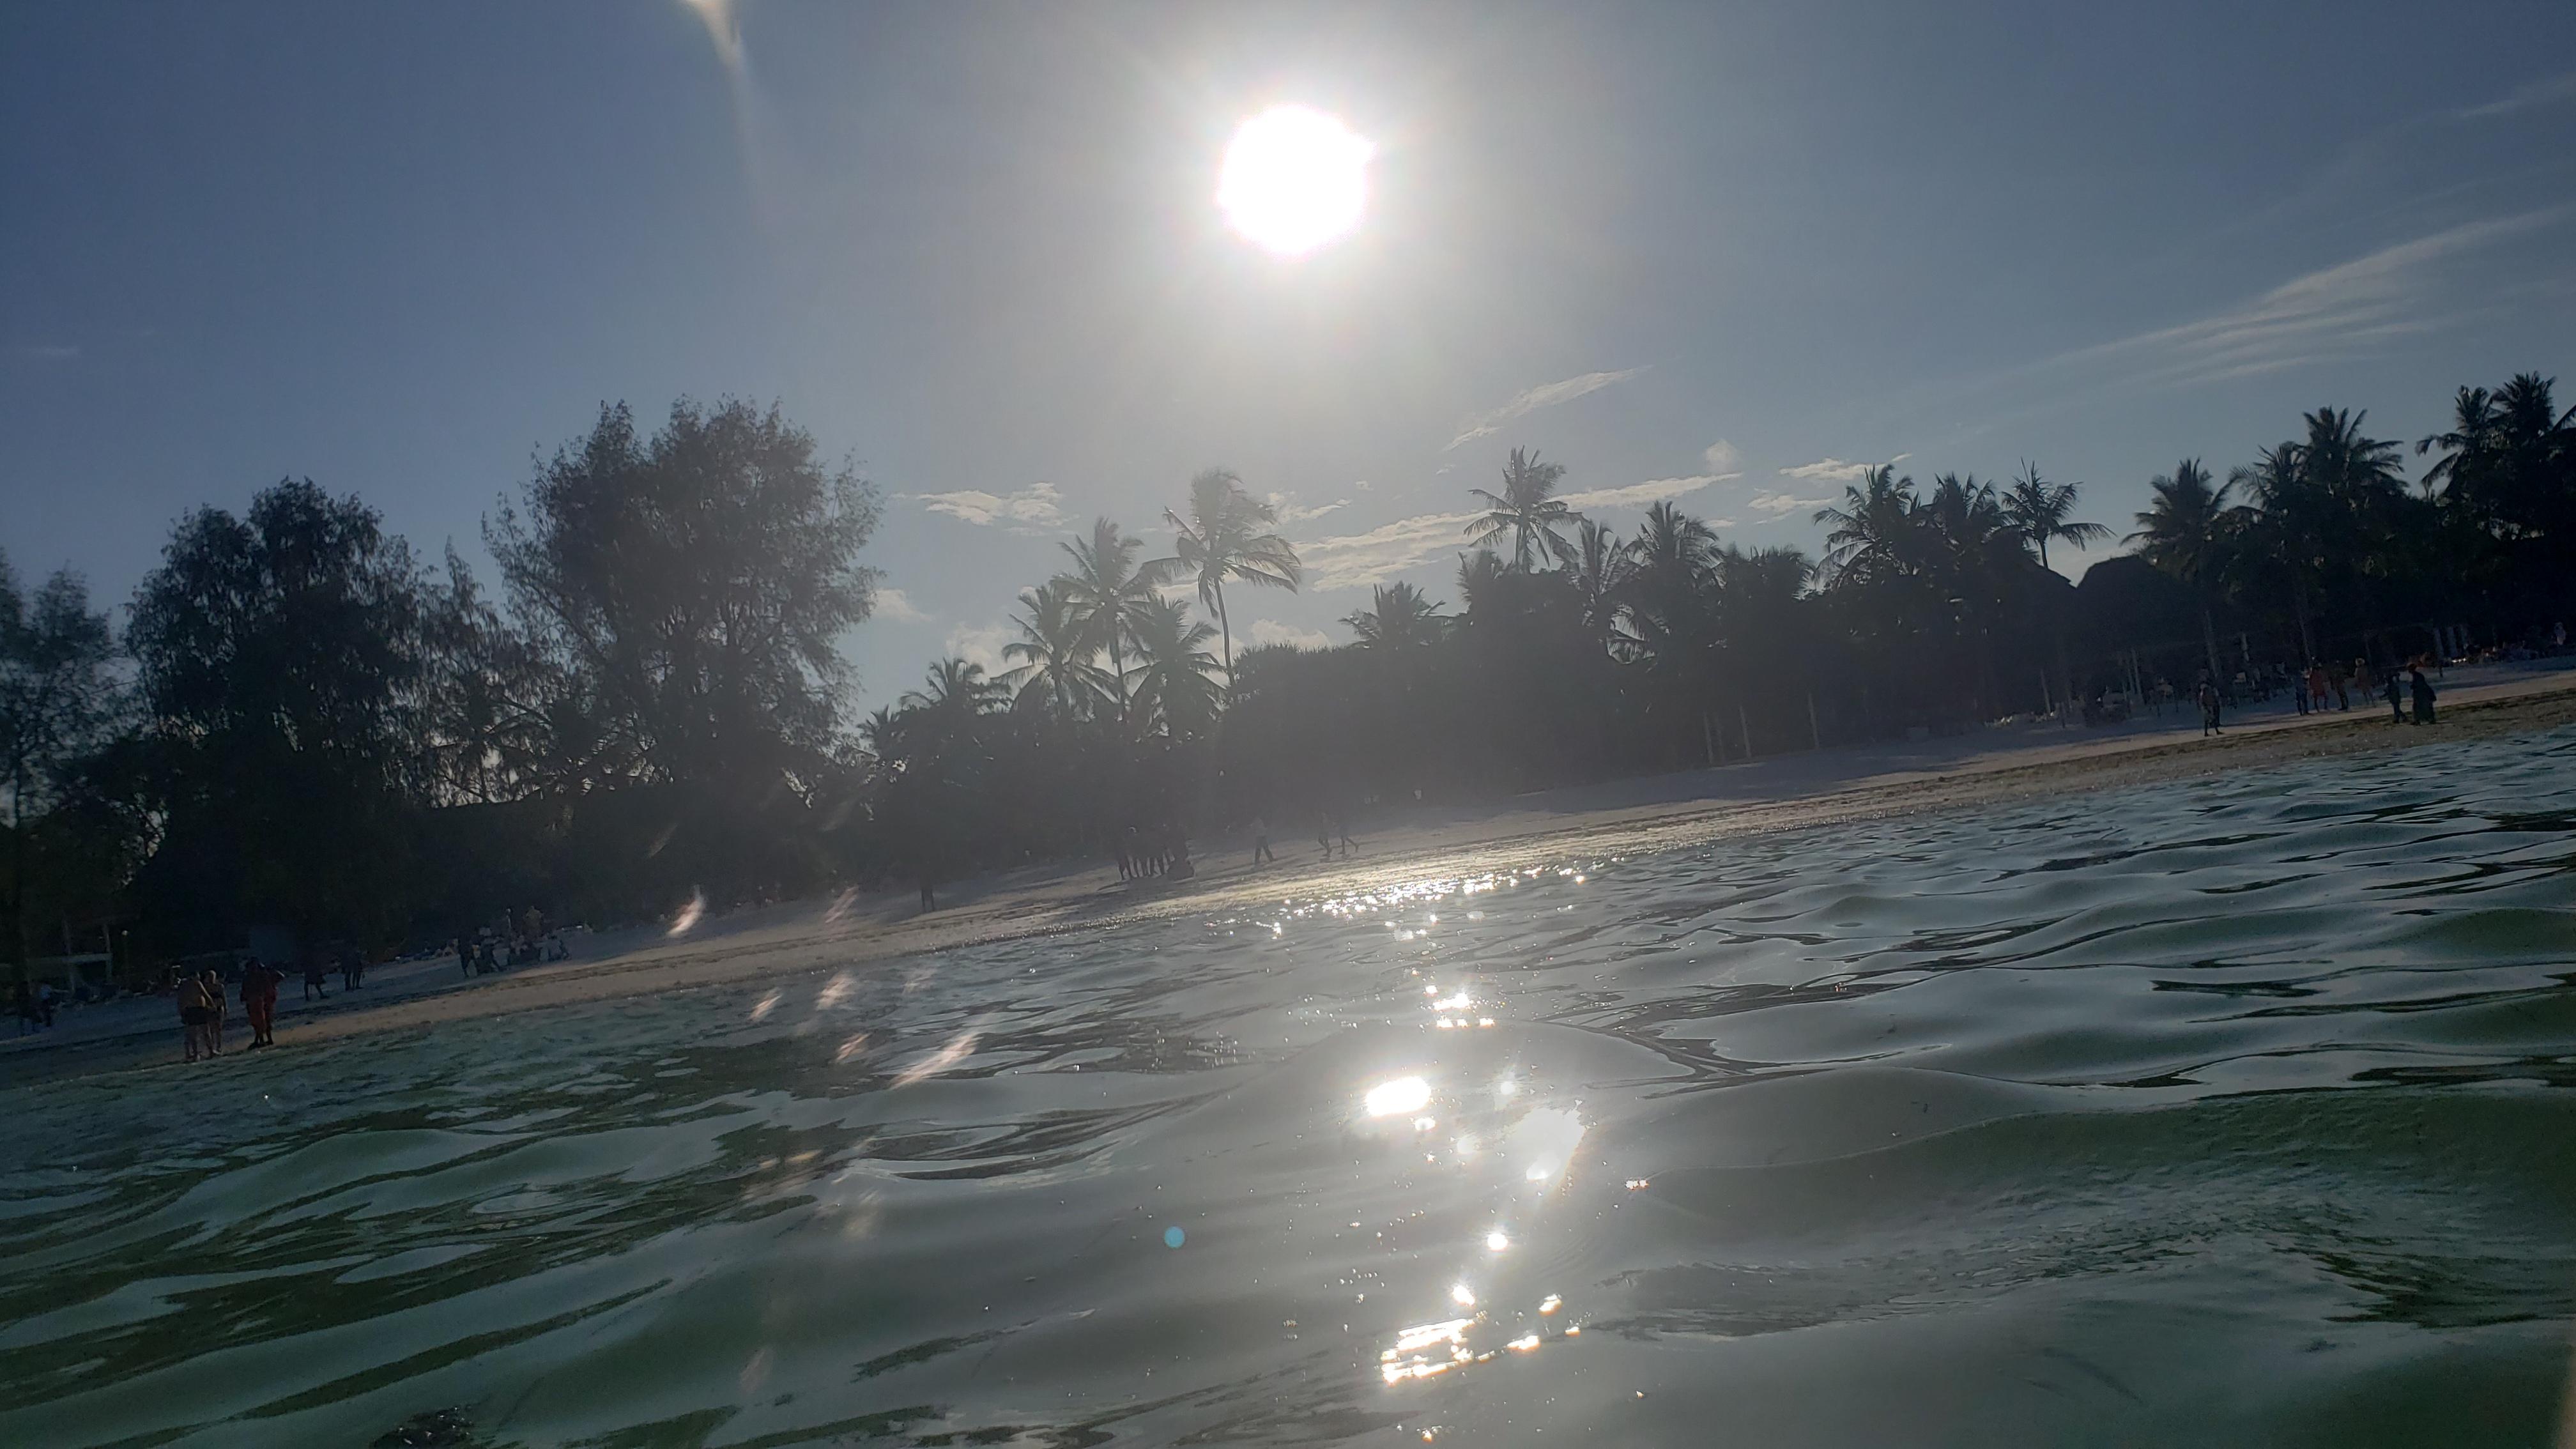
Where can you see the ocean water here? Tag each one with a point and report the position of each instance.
(2229, 1112)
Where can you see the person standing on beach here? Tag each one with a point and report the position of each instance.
(2423, 691)
(191, 997)
(2395, 689)
(213, 983)
(1261, 841)
(2208, 708)
(259, 1000)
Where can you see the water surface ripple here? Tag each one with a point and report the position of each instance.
(2229, 1112)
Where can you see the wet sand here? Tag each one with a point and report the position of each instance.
(1662, 813)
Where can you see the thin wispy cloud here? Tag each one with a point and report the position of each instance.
(1037, 506)
(2338, 311)
(2527, 97)
(1638, 495)
(1828, 470)
(1289, 511)
(1358, 560)
(1545, 395)
(893, 603)
(1271, 631)
(982, 644)
(45, 351)
(1778, 503)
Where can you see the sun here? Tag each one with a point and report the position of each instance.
(1294, 178)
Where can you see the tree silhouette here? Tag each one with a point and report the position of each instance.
(1224, 538)
(2044, 512)
(1399, 620)
(1108, 592)
(1526, 512)
(2188, 531)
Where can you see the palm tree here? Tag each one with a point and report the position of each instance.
(2042, 511)
(1872, 531)
(1175, 678)
(2470, 446)
(1526, 512)
(1107, 591)
(2189, 532)
(1055, 669)
(941, 715)
(1399, 620)
(2356, 472)
(2284, 528)
(1604, 566)
(1224, 537)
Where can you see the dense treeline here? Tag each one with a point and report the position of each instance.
(304, 727)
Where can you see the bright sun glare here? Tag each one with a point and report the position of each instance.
(1294, 179)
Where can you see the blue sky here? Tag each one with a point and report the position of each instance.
(1719, 253)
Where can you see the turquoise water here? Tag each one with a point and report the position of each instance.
(2233, 1112)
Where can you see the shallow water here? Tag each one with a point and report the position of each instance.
(2227, 1112)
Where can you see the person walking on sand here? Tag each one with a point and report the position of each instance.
(316, 981)
(2394, 688)
(213, 981)
(2208, 708)
(259, 1000)
(1261, 841)
(191, 998)
(2423, 691)
(464, 958)
(1324, 832)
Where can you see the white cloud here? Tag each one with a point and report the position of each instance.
(1285, 505)
(982, 644)
(1033, 506)
(2333, 312)
(2523, 98)
(895, 604)
(1357, 560)
(1722, 458)
(1271, 631)
(1782, 503)
(1545, 395)
(1828, 470)
(1638, 495)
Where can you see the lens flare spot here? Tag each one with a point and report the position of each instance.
(1401, 1097)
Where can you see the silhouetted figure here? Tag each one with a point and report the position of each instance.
(1261, 842)
(929, 897)
(464, 958)
(1324, 832)
(1342, 827)
(2395, 689)
(2423, 691)
(317, 981)
(213, 983)
(2208, 708)
(259, 985)
(193, 1016)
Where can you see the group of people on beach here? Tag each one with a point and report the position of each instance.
(2311, 687)
(524, 940)
(200, 999)
(1330, 825)
(1154, 850)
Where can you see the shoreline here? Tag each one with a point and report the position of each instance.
(1662, 813)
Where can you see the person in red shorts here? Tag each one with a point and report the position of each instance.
(259, 1000)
